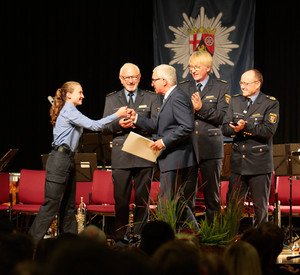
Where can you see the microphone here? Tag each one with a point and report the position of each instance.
(51, 99)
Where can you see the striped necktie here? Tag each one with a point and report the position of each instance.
(130, 100)
(199, 85)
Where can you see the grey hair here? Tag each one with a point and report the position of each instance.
(166, 72)
(126, 65)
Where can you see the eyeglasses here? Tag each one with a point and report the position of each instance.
(133, 77)
(196, 68)
(246, 84)
(154, 80)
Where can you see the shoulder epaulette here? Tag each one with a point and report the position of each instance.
(271, 97)
(223, 81)
(237, 95)
(151, 92)
(112, 93)
(184, 81)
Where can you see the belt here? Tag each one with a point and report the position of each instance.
(64, 150)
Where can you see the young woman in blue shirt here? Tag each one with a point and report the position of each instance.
(60, 185)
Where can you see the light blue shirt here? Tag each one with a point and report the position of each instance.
(253, 98)
(70, 123)
(127, 96)
(203, 83)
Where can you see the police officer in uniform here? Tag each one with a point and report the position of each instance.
(210, 98)
(252, 120)
(126, 167)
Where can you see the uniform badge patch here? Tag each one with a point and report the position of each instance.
(272, 118)
(227, 98)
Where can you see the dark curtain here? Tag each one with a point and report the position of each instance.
(276, 52)
(45, 45)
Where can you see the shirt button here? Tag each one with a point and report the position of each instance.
(197, 132)
(244, 146)
(244, 156)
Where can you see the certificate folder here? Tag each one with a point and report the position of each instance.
(139, 146)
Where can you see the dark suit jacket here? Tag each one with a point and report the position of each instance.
(174, 126)
(207, 136)
(252, 148)
(146, 104)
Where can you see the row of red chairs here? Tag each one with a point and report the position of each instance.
(98, 194)
(248, 209)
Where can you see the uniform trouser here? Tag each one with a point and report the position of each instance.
(210, 170)
(122, 179)
(60, 189)
(259, 186)
(171, 183)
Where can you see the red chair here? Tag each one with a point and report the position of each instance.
(223, 193)
(154, 191)
(200, 207)
(5, 196)
(283, 191)
(83, 190)
(31, 193)
(102, 195)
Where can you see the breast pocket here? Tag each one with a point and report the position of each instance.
(238, 116)
(210, 100)
(117, 143)
(216, 132)
(256, 119)
(143, 110)
(260, 149)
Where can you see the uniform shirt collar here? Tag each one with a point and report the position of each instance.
(253, 98)
(133, 97)
(203, 83)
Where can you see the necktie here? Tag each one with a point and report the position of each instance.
(249, 103)
(199, 85)
(130, 100)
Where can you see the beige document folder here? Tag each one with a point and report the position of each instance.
(139, 146)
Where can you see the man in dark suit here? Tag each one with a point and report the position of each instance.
(252, 120)
(126, 167)
(210, 99)
(174, 127)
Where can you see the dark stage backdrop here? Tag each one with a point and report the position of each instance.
(45, 45)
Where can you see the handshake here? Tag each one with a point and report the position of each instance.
(127, 115)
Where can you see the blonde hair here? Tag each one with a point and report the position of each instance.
(60, 99)
(242, 258)
(203, 57)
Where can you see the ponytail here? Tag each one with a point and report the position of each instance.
(60, 99)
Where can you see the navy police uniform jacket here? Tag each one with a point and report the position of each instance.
(146, 104)
(252, 147)
(207, 136)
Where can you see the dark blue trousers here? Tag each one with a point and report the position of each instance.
(60, 190)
